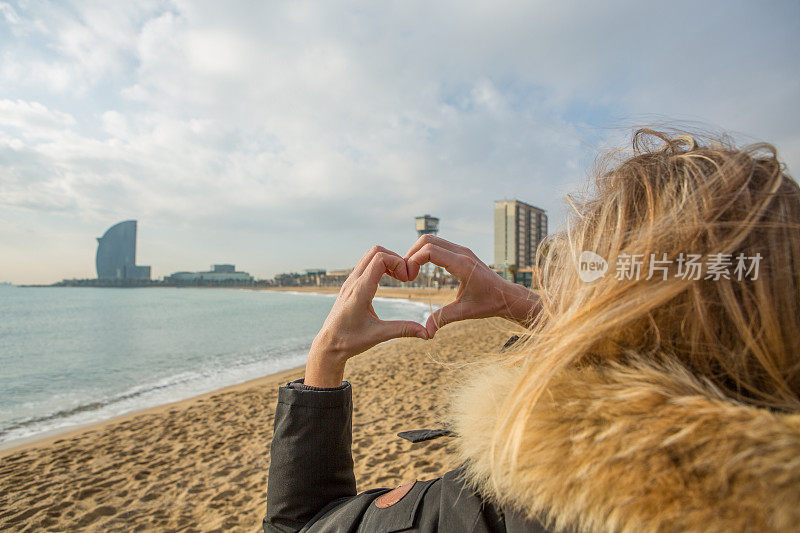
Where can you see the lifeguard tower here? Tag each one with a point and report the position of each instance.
(428, 225)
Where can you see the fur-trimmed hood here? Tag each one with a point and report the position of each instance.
(640, 447)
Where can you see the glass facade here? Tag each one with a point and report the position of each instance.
(116, 254)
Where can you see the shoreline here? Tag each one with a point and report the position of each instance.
(414, 294)
(57, 435)
(417, 295)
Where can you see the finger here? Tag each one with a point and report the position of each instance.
(457, 264)
(382, 263)
(394, 329)
(447, 314)
(413, 269)
(367, 257)
(442, 243)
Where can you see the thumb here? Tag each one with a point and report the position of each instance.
(449, 313)
(413, 269)
(394, 329)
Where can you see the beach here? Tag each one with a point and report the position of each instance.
(201, 464)
(436, 297)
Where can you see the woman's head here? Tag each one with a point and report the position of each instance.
(655, 400)
(676, 202)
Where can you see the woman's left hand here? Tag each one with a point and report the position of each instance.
(352, 325)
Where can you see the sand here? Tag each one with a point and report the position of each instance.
(433, 296)
(201, 464)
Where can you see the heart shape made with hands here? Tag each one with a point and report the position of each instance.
(352, 326)
(482, 293)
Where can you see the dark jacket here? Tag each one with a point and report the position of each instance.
(312, 486)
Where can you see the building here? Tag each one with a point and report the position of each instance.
(336, 277)
(426, 224)
(518, 229)
(315, 276)
(220, 275)
(116, 254)
(312, 277)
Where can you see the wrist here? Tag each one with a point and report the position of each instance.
(520, 304)
(321, 373)
(325, 364)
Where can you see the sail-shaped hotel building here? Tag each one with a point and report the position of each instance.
(116, 254)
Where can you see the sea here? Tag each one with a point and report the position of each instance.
(74, 356)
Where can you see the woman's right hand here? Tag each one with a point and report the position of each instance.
(482, 292)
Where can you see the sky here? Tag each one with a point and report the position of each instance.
(281, 136)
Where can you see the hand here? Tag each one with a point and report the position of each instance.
(482, 292)
(352, 325)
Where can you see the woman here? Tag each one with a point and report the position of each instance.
(658, 393)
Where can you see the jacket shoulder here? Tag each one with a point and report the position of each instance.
(444, 505)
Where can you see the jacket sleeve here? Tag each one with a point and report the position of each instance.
(312, 486)
(311, 462)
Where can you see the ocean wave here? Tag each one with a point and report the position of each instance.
(158, 392)
(332, 295)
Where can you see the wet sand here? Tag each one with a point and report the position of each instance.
(201, 464)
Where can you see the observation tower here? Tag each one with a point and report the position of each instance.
(427, 225)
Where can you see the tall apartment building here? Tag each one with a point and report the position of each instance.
(518, 230)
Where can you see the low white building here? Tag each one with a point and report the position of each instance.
(219, 275)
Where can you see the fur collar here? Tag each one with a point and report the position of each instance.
(639, 447)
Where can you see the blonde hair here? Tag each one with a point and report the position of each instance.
(673, 196)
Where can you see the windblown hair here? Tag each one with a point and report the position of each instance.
(673, 196)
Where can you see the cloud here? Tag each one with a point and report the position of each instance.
(9, 13)
(284, 135)
(33, 118)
